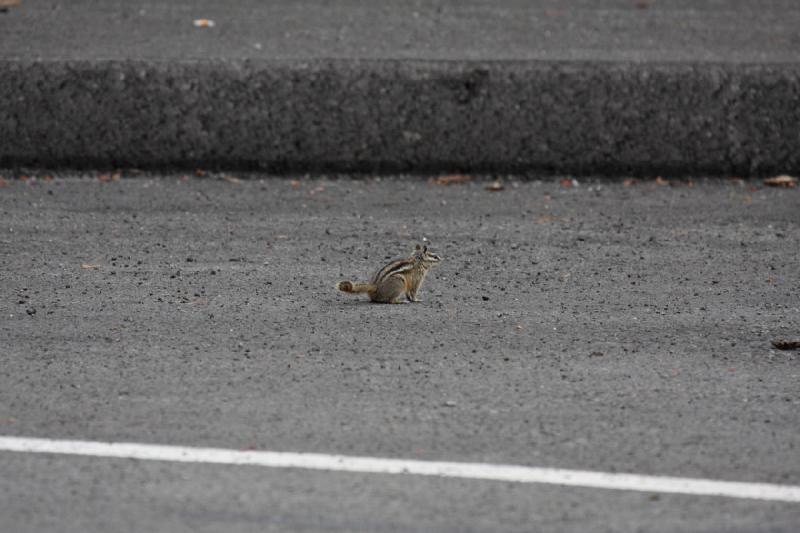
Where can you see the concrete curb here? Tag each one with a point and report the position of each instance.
(389, 116)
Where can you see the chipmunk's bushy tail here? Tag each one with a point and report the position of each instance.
(349, 286)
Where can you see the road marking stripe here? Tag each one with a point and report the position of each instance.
(344, 463)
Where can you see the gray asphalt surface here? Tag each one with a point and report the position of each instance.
(606, 326)
(666, 31)
(608, 86)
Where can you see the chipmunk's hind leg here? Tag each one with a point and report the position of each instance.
(390, 291)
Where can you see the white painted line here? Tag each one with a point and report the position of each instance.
(376, 465)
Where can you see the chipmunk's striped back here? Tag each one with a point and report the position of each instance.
(395, 267)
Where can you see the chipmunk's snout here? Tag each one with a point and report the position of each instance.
(421, 253)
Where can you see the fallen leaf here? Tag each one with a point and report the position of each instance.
(116, 176)
(105, 178)
(23, 177)
(568, 182)
(89, 266)
(294, 183)
(450, 179)
(495, 186)
(629, 182)
(199, 172)
(3, 182)
(203, 23)
(786, 345)
(47, 177)
(781, 181)
(547, 218)
(231, 179)
(661, 181)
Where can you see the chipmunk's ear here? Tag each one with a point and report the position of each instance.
(417, 247)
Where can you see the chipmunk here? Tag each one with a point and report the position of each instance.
(398, 278)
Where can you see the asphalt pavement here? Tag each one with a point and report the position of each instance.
(655, 87)
(620, 326)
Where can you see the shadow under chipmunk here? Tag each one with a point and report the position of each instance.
(396, 279)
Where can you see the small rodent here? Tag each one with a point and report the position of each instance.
(395, 279)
